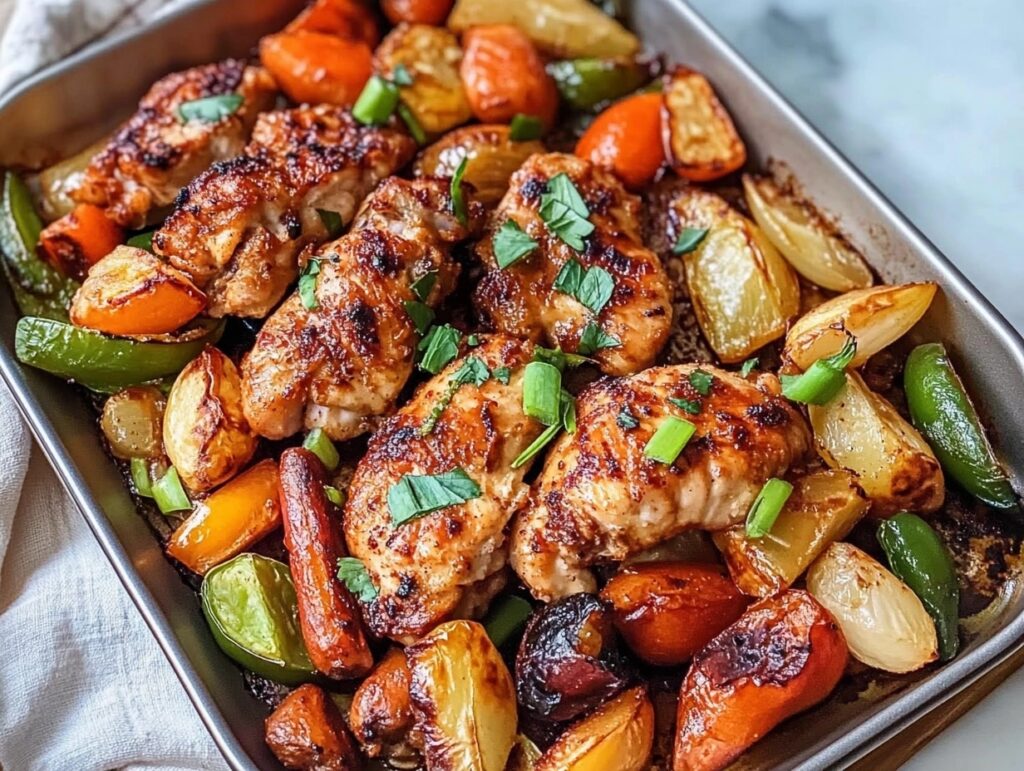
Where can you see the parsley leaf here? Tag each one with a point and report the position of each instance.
(423, 286)
(523, 128)
(502, 375)
(702, 381)
(689, 240)
(439, 347)
(458, 196)
(564, 211)
(592, 287)
(594, 339)
(422, 315)
(210, 109)
(401, 76)
(626, 419)
(307, 284)
(569, 278)
(473, 341)
(691, 406)
(352, 572)
(748, 366)
(558, 358)
(415, 495)
(334, 495)
(473, 370)
(511, 244)
(332, 222)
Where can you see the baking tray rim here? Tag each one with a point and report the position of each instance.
(917, 701)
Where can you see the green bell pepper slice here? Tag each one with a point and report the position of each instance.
(921, 560)
(249, 603)
(39, 289)
(941, 410)
(102, 363)
(586, 83)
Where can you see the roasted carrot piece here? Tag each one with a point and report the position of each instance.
(381, 711)
(417, 11)
(313, 67)
(307, 731)
(349, 19)
(784, 655)
(330, 619)
(233, 518)
(504, 76)
(626, 138)
(79, 240)
(132, 292)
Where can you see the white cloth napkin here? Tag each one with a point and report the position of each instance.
(83, 684)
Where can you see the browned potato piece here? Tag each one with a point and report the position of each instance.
(206, 435)
(432, 56)
(381, 714)
(492, 158)
(743, 291)
(701, 141)
(823, 508)
(618, 735)
(132, 422)
(860, 431)
(306, 731)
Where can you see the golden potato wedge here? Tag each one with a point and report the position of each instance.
(743, 291)
(132, 422)
(568, 29)
(463, 699)
(823, 508)
(860, 431)
(876, 317)
(491, 158)
(884, 622)
(206, 435)
(803, 238)
(619, 734)
(432, 56)
(701, 141)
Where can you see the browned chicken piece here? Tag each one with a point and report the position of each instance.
(449, 562)
(341, 365)
(600, 499)
(159, 150)
(522, 300)
(237, 229)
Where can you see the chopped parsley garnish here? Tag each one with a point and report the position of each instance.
(440, 346)
(458, 196)
(593, 286)
(210, 109)
(594, 339)
(523, 128)
(626, 419)
(690, 405)
(473, 341)
(689, 240)
(415, 495)
(473, 370)
(502, 375)
(352, 572)
(511, 244)
(401, 76)
(748, 366)
(422, 286)
(307, 284)
(332, 222)
(701, 381)
(564, 211)
(558, 358)
(422, 315)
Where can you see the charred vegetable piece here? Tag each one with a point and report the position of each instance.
(667, 611)
(331, 623)
(784, 655)
(416, 11)
(463, 699)
(132, 422)
(381, 713)
(919, 557)
(568, 662)
(618, 735)
(38, 289)
(250, 606)
(102, 363)
(79, 239)
(317, 68)
(307, 732)
(586, 83)
(941, 410)
(625, 139)
(231, 520)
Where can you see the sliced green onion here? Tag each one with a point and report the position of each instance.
(558, 358)
(318, 443)
(567, 412)
(473, 341)
(210, 109)
(412, 123)
(767, 506)
(332, 222)
(669, 440)
(334, 495)
(523, 128)
(140, 477)
(424, 285)
(422, 315)
(511, 244)
(823, 379)
(689, 240)
(415, 495)
(169, 493)
(542, 392)
(376, 103)
(352, 572)
(458, 196)
(506, 618)
(440, 346)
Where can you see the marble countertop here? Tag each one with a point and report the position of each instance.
(925, 97)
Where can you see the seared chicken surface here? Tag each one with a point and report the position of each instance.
(448, 563)
(521, 299)
(341, 365)
(600, 499)
(238, 228)
(157, 151)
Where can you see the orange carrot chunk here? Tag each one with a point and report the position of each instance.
(79, 240)
(312, 67)
(626, 138)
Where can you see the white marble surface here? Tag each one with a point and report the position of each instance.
(926, 97)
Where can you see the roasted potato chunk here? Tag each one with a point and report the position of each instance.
(491, 159)
(618, 735)
(206, 435)
(876, 317)
(132, 422)
(667, 611)
(743, 291)
(860, 431)
(307, 732)
(381, 713)
(700, 139)
(462, 698)
(823, 508)
(432, 56)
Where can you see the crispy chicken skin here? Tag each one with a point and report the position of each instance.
(448, 563)
(342, 365)
(238, 228)
(599, 499)
(155, 153)
(520, 299)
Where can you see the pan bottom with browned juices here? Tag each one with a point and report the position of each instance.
(68, 107)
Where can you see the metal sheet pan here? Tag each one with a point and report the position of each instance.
(60, 110)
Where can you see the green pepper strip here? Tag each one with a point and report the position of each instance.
(941, 410)
(917, 555)
(39, 289)
(507, 618)
(586, 83)
(102, 363)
